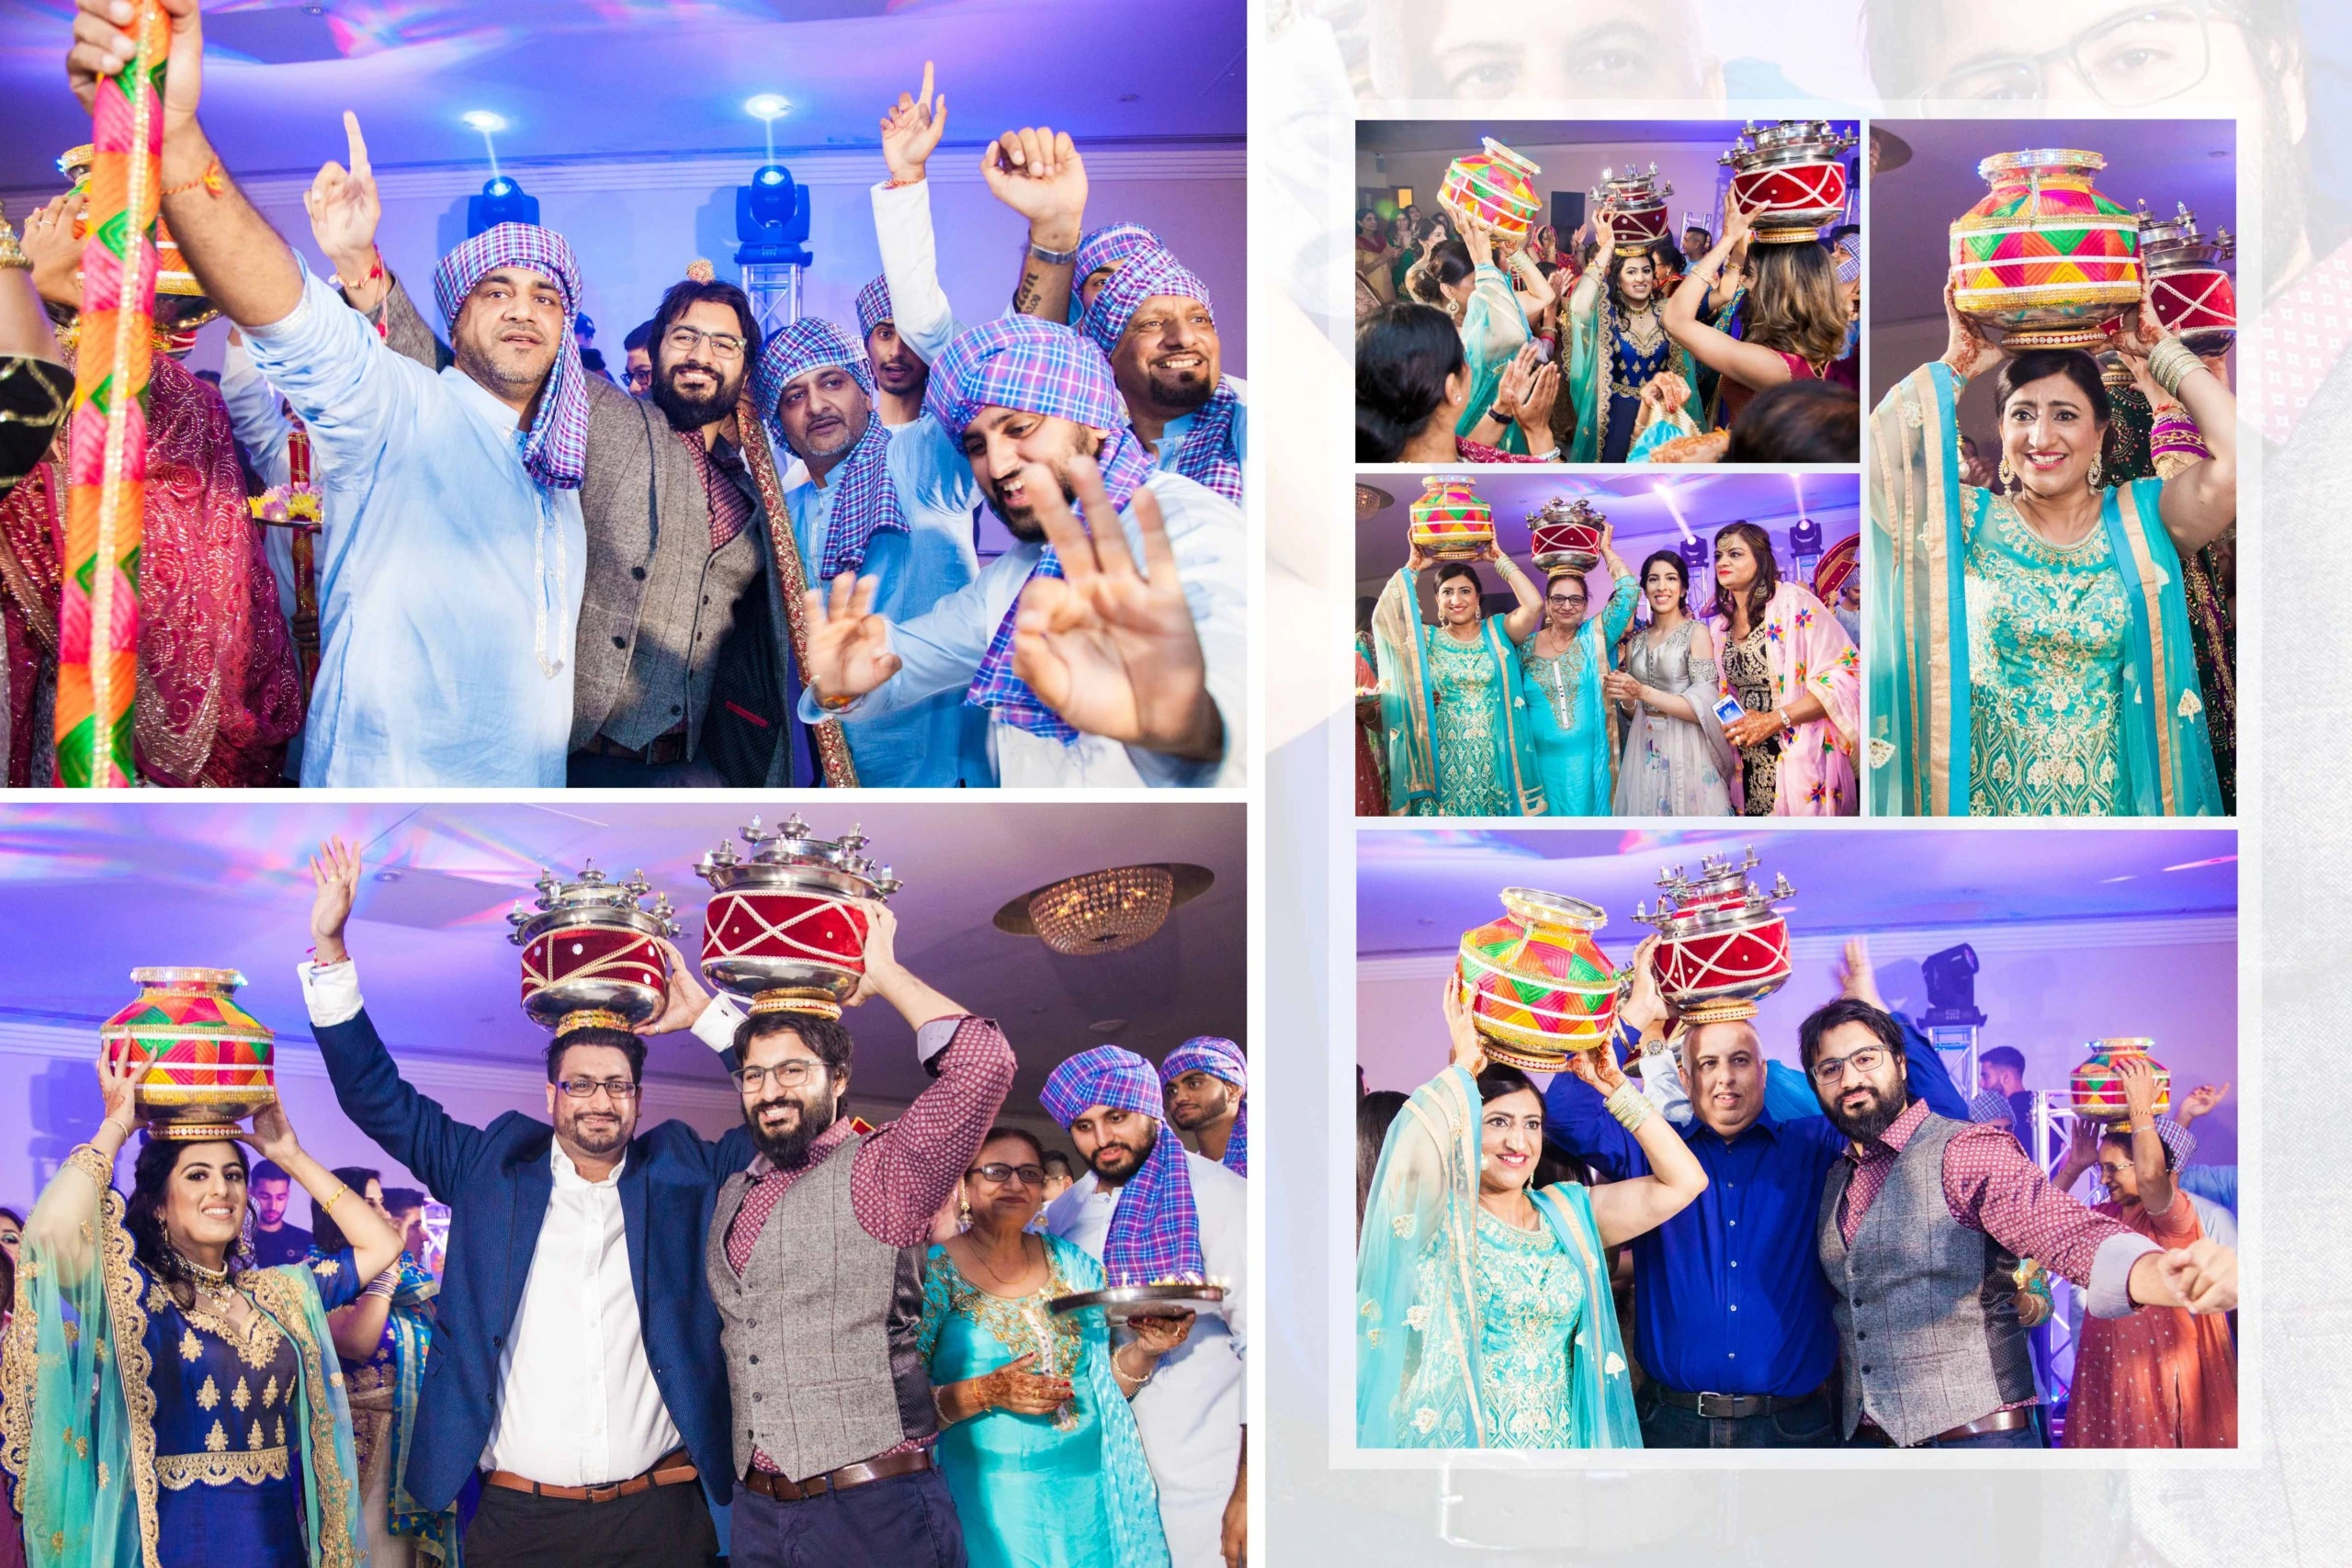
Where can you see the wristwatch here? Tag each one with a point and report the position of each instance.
(1051, 258)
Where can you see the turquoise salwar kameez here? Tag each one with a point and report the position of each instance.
(1453, 716)
(1568, 722)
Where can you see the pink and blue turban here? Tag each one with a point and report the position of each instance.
(1156, 1230)
(1220, 1058)
(1847, 252)
(1111, 244)
(865, 501)
(1211, 454)
(873, 306)
(1038, 367)
(555, 449)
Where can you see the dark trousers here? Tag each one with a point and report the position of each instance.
(1809, 1423)
(907, 1521)
(593, 770)
(2026, 1436)
(668, 1527)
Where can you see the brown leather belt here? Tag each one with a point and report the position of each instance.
(1731, 1406)
(662, 749)
(784, 1489)
(1999, 1421)
(668, 1470)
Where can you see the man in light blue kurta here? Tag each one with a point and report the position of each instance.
(449, 573)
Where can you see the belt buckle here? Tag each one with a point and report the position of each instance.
(1707, 1415)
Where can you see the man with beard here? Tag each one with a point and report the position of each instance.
(860, 511)
(815, 1258)
(1153, 1211)
(1207, 1080)
(1112, 676)
(1917, 1229)
(577, 1346)
(1732, 1313)
(449, 602)
(1154, 323)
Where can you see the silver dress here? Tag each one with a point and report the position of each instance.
(1673, 767)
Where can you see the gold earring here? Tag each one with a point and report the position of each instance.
(2008, 474)
(964, 1211)
(2097, 473)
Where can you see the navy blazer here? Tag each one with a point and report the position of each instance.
(497, 1182)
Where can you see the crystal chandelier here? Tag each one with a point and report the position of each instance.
(1102, 911)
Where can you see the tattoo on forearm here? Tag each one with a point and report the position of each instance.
(1032, 292)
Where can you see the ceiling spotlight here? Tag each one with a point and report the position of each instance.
(388, 875)
(767, 106)
(483, 120)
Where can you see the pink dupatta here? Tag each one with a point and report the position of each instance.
(1810, 653)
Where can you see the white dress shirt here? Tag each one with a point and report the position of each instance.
(576, 1403)
(1190, 1413)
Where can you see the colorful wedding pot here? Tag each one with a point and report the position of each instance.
(1450, 522)
(1567, 535)
(2195, 299)
(1539, 986)
(1790, 176)
(1639, 198)
(2098, 1088)
(784, 927)
(2045, 257)
(180, 304)
(592, 955)
(1494, 187)
(210, 1063)
(1723, 947)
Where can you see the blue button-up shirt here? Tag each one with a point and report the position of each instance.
(1729, 1294)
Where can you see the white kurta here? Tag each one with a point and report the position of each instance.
(1192, 1411)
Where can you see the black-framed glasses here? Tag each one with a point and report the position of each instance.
(1027, 1175)
(621, 1090)
(1866, 1061)
(795, 1074)
(686, 340)
(2140, 56)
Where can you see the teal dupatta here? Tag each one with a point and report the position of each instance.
(1409, 700)
(76, 1412)
(1917, 627)
(1419, 1382)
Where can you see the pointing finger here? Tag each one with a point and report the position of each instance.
(360, 167)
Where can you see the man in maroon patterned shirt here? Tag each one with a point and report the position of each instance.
(815, 1256)
(1920, 1225)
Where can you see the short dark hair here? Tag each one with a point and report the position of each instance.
(1845, 1011)
(1405, 352)
(1454, 569)
(1055, 1160)
(2003, 1057)
(639, 337)
(827, 1037)
(326, 1235)
(265, 1170)
(687, 292)
(12, 1217)
(620, 1040)
(1005, 1130)
(400, 1200)
(1798, 422)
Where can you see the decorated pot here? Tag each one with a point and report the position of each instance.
(1639, 198)
(2045, 257)
(783, 927)
(1450, 522)
(1539, 986)
(1723, 947)
(210, 1063)
(2195, 299)
(1494, 187)
(1790, 176)
(180, 303)
(2097, 1088)
(1567, 535)
(592, 956)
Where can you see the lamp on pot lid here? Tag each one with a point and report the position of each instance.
(1104, 911)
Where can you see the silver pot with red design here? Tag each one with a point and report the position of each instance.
(786, 926)
(2196, 298)
(592, 954)
(1723, 947)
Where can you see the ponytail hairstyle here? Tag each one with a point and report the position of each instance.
(1447, 264)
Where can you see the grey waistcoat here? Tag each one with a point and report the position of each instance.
(820, 1330)
(1925, 1321)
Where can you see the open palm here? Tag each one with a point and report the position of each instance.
(848, 645)
(1113, 651)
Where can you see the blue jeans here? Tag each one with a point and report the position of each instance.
(2026, 1436)
(1809, 1423)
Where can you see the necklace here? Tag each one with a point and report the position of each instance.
(212, 1282)
(990, 1269)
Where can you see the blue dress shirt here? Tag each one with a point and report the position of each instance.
(1729, 1294)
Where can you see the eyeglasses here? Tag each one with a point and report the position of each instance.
(638, 379)
(620, 1089)
(686, 340)
(1866, 1061)
(794, 1074)
(2140, 56)
(1027, 1175)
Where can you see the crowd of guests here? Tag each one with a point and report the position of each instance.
(375, 557)
(1553, 707)
(840, 1337)
(1839, 1254)
(1473, 346)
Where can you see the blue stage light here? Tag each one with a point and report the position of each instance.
(771, 220)
(501, 202)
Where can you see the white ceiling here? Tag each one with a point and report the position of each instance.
(96, 890)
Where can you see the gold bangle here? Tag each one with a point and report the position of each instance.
(326, 1205)
(2169, 364)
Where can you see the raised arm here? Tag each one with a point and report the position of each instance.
(374, 1240)
(1518, 623)
(1623, 1210)
(1039, 175)
(2202, 500)
(1750, 364)
(919, 307)
(2148, 1163)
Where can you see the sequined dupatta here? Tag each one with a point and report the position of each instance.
(832, 746)
(1419, 1381)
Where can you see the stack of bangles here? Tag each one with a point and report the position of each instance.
(1629, 1105)
(2169, 364)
